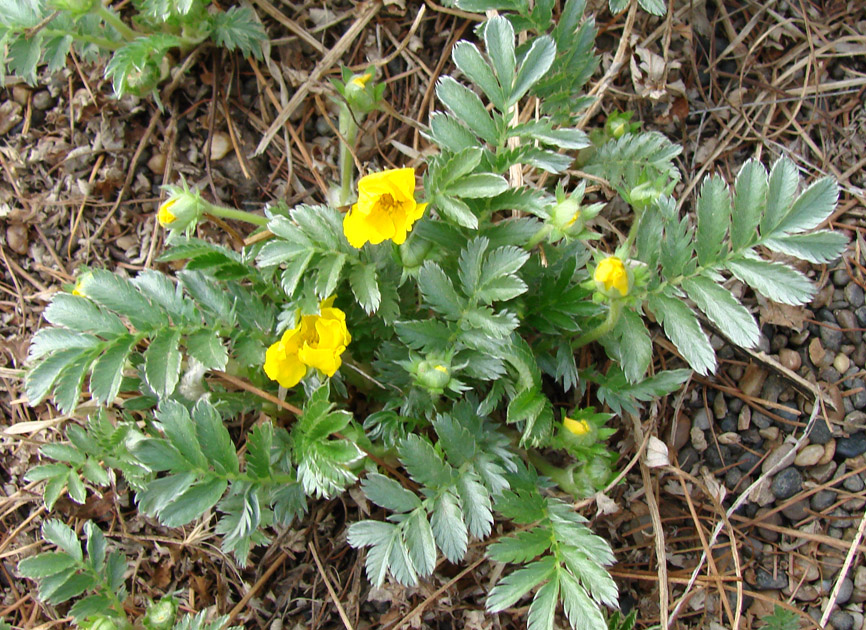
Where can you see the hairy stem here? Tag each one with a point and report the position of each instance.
(613, 313)
(349, 129)
(233, 213)
(110, 17)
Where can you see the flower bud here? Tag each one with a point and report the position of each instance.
(413, 252)
(577, 427)
(100, 623)
(612, 277)
(566, 215)
(433, 375)
(361, 96)
(181, 210)
(644, 195)
(161, 615)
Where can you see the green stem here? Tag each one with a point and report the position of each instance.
(349, 130)
(613, 313)
(102, 42)
(539, 236)
(562, 477)
(114, 20)
(232, 213)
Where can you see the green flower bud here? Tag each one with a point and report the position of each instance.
(433, 375)
(360, 93)
(161, 615)
(77, 8)
(182, 210)
(644, 195)
(566, 215)
(413, 252)
(100, 623)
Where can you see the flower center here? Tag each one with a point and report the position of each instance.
(386, 203)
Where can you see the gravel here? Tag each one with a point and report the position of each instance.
(787, 483)
(852, 446)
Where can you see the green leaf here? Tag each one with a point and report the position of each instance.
(618, 6)
(165, 293)
(107, 374)
(208, 294)
(477, 186)
(475, 501)
(420, 543)
(449, 530)
(811, 208)
(655, 7)
(456, 210)
(67, 389)
(777, 281)
(714, 214)
(162, 362)
(46, 471)
(293, 273)
(482, 6)
(238, 28)
(330, 267)
(592, 575)
(780, 194)
(60, 534)
(73, 586)
(277, 251)
(456, 166)
(724, 311)
(76, 489)
(426, 333)
(449, 134)
(469, 264)
(515, 585)
(160, 492)
(54, 489)
(45, 564)
(95, 546)
(499, 41)
(39, 381)
(205, 346)
(90, 606)
(521, 547)
(818, 247)
(194, 502)
(535, 65)
(181, 432)
(50, 340)
(23, 57)
(438, 291)
(79, 313)
(467, 107)
(750, 199)
(636, 345)
(527, 405)
(212, 435)
(468, 59)
(681, 326)
(423, 463)
(381, 537)
(581, 611)
(365, 286)
(159, 455)
(120, 295)
(259, 444)
(543, 607)
(389, 494)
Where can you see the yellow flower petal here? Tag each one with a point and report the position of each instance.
(165, 216)
(283, 367)
(386, 208)
(361, 81)
(612, 274)
(578, 427)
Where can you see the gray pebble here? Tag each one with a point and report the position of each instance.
(778, 342)
(848, 322)
(796, 512)
(728, 425)
(733, 477)
(829, 373)
(842, 620)
(822, 500)
(42, 100)
(701, 420)
(853, 483)
(831, 338)
(760, 420)
(860, 313)
(748, 461)
(735, 404)
(845, 591)
(820, 433)
(687, 457)
(822, 472)
(851, 446)
(841, 278)
(858, 399)
(858, 357)
(854, 294)
(790, 419)
(787, 483)
(841, 519)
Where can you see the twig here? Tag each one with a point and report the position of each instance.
(343, 616)
(255, 589)
(849, 558)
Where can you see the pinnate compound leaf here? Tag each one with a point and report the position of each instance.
(79, 313)
(420, 543)
(40, 380)
(118, 294)
(449, 529)
(776, 281)
(780, 194)
(723, 310)
(811, 208)
(681, 326)
(107, 374)
(238, 28)
(467, 107)
(515, 585)
(192, 503)
(543, 607)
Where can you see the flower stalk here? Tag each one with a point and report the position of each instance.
(613, 314)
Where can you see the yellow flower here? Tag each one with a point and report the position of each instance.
(77, 289)
(578, 427)
(612, 274)
(361, 80)
(316, 342)
(386, 208)
(165, 215)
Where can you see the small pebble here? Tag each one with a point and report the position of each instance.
(753, 380)
(822, 499)
(809, 455)
(744, 418)
(854, 294)
(777, 455)
(822, 472)
(802, 566)
(766, 581)
(817, 354)
(787, 483)
(848, 323)
(846, 588)
(221, 144)
(156, 163)
(761, 517)
(699, 442)
(851, 446)
(858, 398)
(842, 362)
(831, 337)
(855, 420)
(769, 433)
(687, 457)
(748, 461)
(860, 314)
(820, 433)
(17, 238)
(790, 359)
(20, 94)
(720, 407)
(829, 453)
(701, 420)
(842, 620)
(853, 484)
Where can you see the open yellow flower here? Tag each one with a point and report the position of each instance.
(316, 342)
(386, 208)
(612, 274)
(578, 427)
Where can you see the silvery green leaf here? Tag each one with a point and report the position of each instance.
(515, 585)
(401, 564)
(389, 494)
(499, 41)
(723, 310)
(535, 65)
(213, 436)
(438, 291)
(475, 501)
(449, 530)
(39, 380)
(776, 281)
(811, 208)
(209, 295)
(424, 465)
(681, 326)
(60, 534)
(750, 199)
(714, 215)
(457, 165)
(330, 267)
(381, 538)
(420, 543)
(618, 6)
(107, 373)
(477, 186)
(543, 607)
(468, 58)
(449, 134)
(637, 348)
(192, 503)
(580, 610)
(48, 340)
(162, 362)
(67, 388)
(165, 293)
(521, 546)
(783, 182)
(818, 247)
(95, 546)
(469, 264)
(206, 347)
(79, 313)
(180, 430)
(654, 7)
(45, 564)
(457, 210)
(294, 271)
(592, 575)
(365, 286)
(468, 108)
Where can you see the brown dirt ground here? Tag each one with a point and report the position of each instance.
(81, 180)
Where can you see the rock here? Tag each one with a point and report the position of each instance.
(17, 238)
(156, 163)
(787, 483)
(766, 581)
(790, 417)
(841, 519)
(817, 354)
(829, 452)
(777, 455)
(858, 357)
(778, 342)
(753, 380)
(220, 145)
(735, 405)
(841, 277)
(820, 433)
(846, 589)
(802, 566)
(770, 535)
(42, 100)
(854, 294)
(831, 337)
(842, 362)
(769, 433)
(687, 457)
(728, 438)
(848, 323)
(854, 483)
(720, 406)
(701, 420)
(822, 472)
(822, 499)
(858, 398)
(20, 93)
(728, 424)
(806, 593)
(10, 115)
(748, 461)
(744, 418)
(733, 477)
(699, 442)
(851, 446)
(762, 496)
(860, 314)
(854, 421)
(809, 455)
(717, 456)
(842, 620)
(790, 359)
(678, 436)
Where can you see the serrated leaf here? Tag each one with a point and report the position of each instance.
(543, 607)
(192, 503)
(205, 346)
(181, 432)
(95, 546)
(520, 547)
(776, 281)
(293, 273)
(714, 215)
(637, 347)
(724, 311)
(455, 439)
(259, 444)
(750, 199)
(457, 210)
(120, 295)
(164, 292)
(423, 463)
(389, 494)
(330, 267)
(499, 41)
(107, 373)
(73, 586)
(818, 247)
(783, 182)
(160, 492)
(426, 333)
(213, 436)
(90, 606)
(208, 294)
(580, 610)
(475, 501)
(681, 326)
(60, 534)
(468, 108)
(516, 584)
(39, 381)
(811, 208)
(438, 291)
(468, 59)
(420, 543)
(45, 564)
(380, 537)
(162, 362)
(78, 313)
(478, 186)
(67, 388)
(449, 134)
(365, 286)
(594, 577)
(48, 340)
(238, 28)
(449, 530)
(535, 65)
(654, 7)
